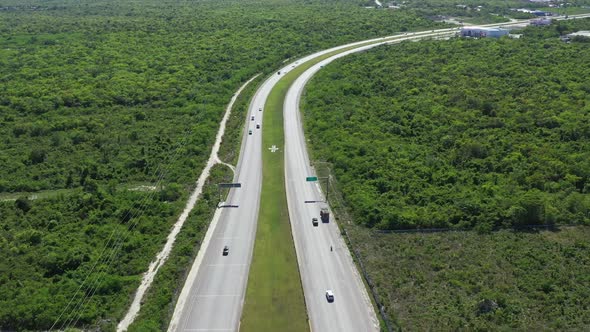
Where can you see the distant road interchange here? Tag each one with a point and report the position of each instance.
(213, 295)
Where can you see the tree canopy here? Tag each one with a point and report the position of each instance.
(98, 96)
(460, 133)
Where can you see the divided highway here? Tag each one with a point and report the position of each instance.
(213, 295)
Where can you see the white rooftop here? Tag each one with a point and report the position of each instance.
(582, 33)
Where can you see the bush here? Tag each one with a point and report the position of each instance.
(23, 204)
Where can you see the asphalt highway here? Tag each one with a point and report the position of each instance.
(321, 267)
(213, 295)
(324, 259)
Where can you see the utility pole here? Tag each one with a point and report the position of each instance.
(316, 178)
(327, 187)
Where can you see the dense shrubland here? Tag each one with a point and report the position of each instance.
(48, 246)
(462, 133)
(105, 88)
(98, 96)
(504, 280)
(476, 134)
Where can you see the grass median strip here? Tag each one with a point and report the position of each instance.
(274, 296)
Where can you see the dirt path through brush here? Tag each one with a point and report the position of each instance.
(162, 256)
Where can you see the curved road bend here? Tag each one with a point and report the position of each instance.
(213, 295)
(321, 268)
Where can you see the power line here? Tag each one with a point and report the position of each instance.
(114, 246)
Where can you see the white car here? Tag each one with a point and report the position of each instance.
(252, 118)
(330, 295)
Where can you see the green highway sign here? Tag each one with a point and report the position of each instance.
(311, 178)
(230, 185)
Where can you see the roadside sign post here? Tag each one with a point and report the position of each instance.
(315, 179)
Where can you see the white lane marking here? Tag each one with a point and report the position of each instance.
(208, 329)
(215, 265)
(162, 256)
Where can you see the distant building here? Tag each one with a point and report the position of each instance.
(579, 33)
(541, 21)
(481, 32)
(567, 38)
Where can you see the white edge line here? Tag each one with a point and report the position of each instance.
(162, 256)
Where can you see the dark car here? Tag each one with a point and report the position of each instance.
(225, 251)
(314, 221)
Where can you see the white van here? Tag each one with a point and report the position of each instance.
(330, 295)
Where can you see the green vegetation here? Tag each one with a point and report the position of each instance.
(160, 300)
(102, 91)
(533, 281)
(476, 134)
(274, 232)
(48, 246)
(556, 29)
(274, 297)
(100, 95)
(458, 133)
